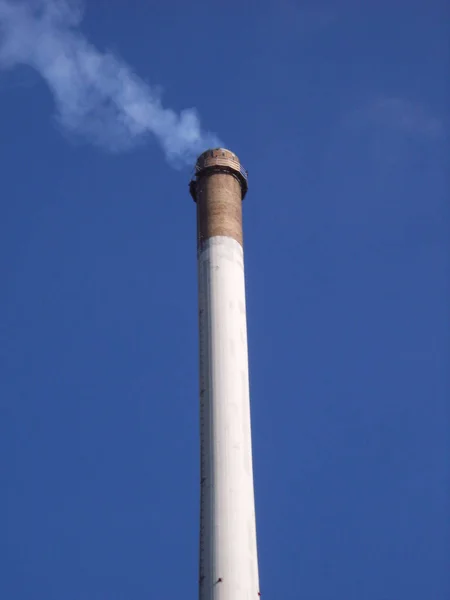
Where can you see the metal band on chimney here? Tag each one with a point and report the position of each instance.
(218, 187)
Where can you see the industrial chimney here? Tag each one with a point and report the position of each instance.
(228, 552)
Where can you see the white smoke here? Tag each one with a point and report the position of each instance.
(96, 94)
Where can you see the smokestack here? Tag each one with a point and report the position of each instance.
(228, 552)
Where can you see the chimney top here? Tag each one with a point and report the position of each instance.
(219, 160)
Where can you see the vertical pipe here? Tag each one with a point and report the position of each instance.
(228, 551)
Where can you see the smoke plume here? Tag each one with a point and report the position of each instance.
(96, 94)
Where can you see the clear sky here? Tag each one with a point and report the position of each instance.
(340, 113)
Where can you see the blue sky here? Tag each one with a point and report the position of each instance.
(340, 113)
